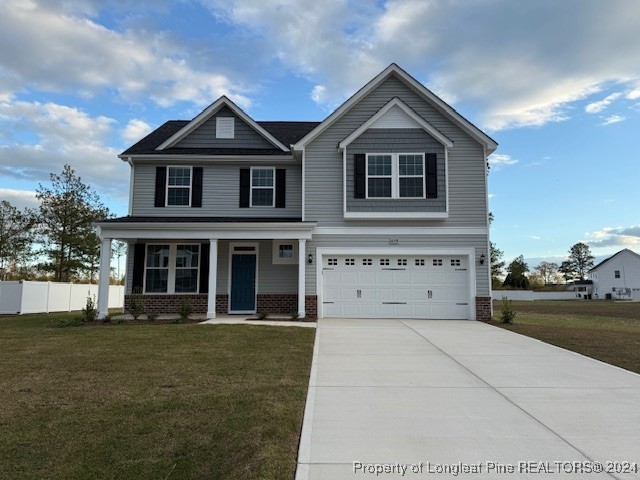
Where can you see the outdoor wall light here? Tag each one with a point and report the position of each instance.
(310, 260)
(482, 259)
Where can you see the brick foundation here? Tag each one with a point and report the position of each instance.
(268, 303)
(311, 306)
(483, 309)
(277, 303)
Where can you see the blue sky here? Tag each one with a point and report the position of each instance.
(557, 84)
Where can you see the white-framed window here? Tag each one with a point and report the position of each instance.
(395, 175)
(455, 262)
(172, 268)
(349, 261)
(285, 252)
(616, 273)
(367, 261)
(384, 262)
(179, 186)
(419, 262)
(225, 127)
(332, 262)
(263, 186)
(437, 262)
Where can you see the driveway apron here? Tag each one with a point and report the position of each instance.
(460, 399)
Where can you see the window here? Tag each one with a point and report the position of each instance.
(384, 262)
(455, 262)
(367, 261)
(262, 187)
(402, 262)
(437, 262)
(379, 176)
(332, 262)
(285, 252)
(225, 127)
(616, 273)
(411, 176)
(172, 268)
(179, 186)
(397, 175)
(419, 262)
(349, 261)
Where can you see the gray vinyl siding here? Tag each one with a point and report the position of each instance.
(396, 140)
(272, 278)
(477, 242)
(323, 163)
(205, 135)
(220, 193)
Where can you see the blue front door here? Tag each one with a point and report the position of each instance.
(243, 283)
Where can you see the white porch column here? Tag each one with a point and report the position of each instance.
(103, 278)
(302, 251)
(213, 272)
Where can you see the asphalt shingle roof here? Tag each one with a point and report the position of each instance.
(285, 132)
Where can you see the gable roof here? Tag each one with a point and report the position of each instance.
(393, 69)
(208, 113)
(286, 132)
(396, 102)
(612, 256)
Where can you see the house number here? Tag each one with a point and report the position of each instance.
(394, 241)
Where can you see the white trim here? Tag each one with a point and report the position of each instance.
(272, 187)
(400, 231)
(304, 189)
(275, 252)
(468, 252)
(167, 186)
(131, 182)
(208, 113)
(232, 246)
(486, 204)
(301, 277)
(446, 179)
(427, 94)
(103, 278)
(188, 158)
(396, 102)
(213, 278)
(395, 176)
(344, 180)
(395, 215)
(171, 276)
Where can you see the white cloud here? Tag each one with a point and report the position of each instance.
(622, 237)
(502, 66)
(634, 94)
(600, 105)
(534, 237)
(20, 199)
(613, 119)
(135, 130)
(52, 49)
(498, 160)
(65, 135)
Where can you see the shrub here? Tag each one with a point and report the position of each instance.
(107, 319)
(75, 321)
(90, 312)
(508, 313)
(185, 309)
(152, 316)
(136, 303)
(262, 315)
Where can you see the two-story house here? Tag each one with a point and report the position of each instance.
(380, 210)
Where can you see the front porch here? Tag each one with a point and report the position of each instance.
(253, 267)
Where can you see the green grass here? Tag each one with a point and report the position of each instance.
(608, 331)
(150, 401)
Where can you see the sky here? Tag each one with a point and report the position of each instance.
(556, 84)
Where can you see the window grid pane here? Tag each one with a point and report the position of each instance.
(379, 187)
(262, 197)
(158, 256)
(178, 196)
(262, 177)
(187, 256)
(410, 165)
(186, 280)
(286, 251)
(157, 280)
(379, 165)
(179, 176)
(411, 187)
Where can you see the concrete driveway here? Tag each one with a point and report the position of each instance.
(460, 399)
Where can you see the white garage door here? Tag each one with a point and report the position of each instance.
(397, 286)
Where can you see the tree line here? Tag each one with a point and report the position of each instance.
(579, 262)
(55, 241)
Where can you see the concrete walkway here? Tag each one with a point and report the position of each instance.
(437, 396)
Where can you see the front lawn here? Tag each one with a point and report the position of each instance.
(608, 331)
(150, 401)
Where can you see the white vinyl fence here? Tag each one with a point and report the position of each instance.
(43, 297)
(531, 295)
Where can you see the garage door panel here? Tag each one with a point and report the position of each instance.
(392, 286)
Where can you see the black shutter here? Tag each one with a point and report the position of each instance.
(359, 177)
(204, 268)
(245, 187)
(137, 279)
(281, 187)
(196, 187)
(161, 186)
(432, 175)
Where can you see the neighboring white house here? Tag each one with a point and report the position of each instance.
(617, 277)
